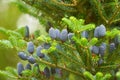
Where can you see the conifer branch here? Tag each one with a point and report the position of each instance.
(74, 3)
(114, 15)
(100, 11)
(61, 67)
(70, 46)
(74, 61)
(109, 66)
(116, 20)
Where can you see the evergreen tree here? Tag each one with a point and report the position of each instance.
(85, 46)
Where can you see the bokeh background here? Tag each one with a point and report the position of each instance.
(9, 14)
(12, 18)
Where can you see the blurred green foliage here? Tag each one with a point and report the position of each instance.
(9, 13)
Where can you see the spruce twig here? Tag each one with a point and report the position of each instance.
(74, 3)
(114, 15)
(74, 61)
(100, 11)
(109, 66)
(61, 67)
(116, 20)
